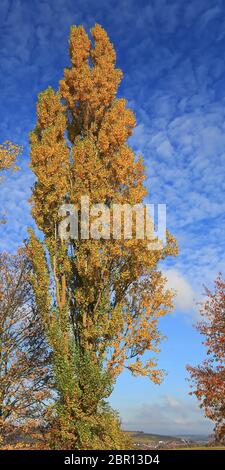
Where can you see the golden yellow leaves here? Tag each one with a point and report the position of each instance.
(116, 126)
(79, 45)
(8, 154)
(93, 86)
(50, 157)
(112, 289)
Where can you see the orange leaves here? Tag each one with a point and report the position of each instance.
(79, 45)
(24, 365)
(106, 77)
(88, 172)
(89, 89)
(49, 160)
(49, 109)
(209, 377)
(103, 50)
(76, 85)
(106, 294)
(116, 126)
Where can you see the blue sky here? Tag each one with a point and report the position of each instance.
(172, 56)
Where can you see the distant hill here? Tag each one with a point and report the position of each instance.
(144, 435)
(147, 440)
(195, 437)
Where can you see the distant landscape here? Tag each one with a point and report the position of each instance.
(146, 441)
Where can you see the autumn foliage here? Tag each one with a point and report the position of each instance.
(209, 377)
(8, 154)
(24, 355)
(100, 300)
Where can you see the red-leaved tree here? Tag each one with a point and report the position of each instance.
(209, 377)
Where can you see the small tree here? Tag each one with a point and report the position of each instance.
(24, 369)
(209, 377)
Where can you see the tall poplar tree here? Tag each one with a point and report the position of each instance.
(100, 300)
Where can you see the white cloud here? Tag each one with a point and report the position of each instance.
(185, 295)
(15, 191)
(209, 15)
(169, 415)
